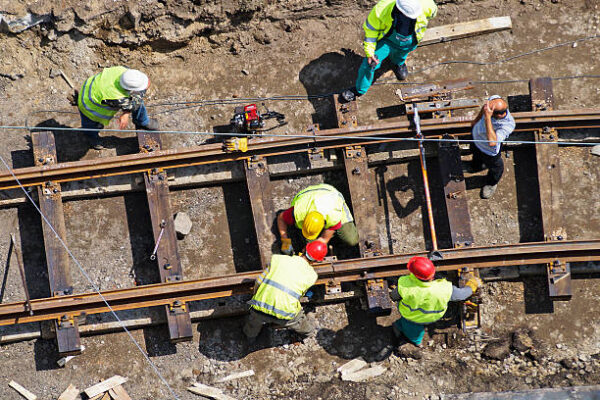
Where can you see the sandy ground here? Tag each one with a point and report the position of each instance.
(316, 53)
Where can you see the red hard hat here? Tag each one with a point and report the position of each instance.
(422, 268)
(316, 250)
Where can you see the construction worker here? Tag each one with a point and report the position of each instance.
(108, 92)
(393, 29)
(491, 127)
(422, 301)
(314, 208)
(278, 290)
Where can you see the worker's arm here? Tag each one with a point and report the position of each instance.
(394, 295)
(374, 28)
(284, 219)
(478, 117)
(282, 226)
(460, 294)
(488, 110)
(328, 233)
(260, 279)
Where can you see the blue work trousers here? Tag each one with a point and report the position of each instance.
(412, 331)
(139, 116)
(396, 47)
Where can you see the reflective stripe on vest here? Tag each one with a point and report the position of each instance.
(312, 199)
(423, 302)
(102, 86)
(286, 281)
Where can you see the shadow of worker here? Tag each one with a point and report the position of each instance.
(330, 73)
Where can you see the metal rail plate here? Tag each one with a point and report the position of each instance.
(442, 105)
(57, 258)
(434, 89)
(167, 255)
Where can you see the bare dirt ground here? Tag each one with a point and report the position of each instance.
(211, 50)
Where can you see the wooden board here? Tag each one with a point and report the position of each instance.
(259, 191)
(70, 393)
(105, 386)
(167, 256)
(461, 30)
(550, 187)
(22, 391)
(119, 393)
(57, 258)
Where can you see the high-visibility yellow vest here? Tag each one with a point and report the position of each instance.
(423, 302)
(325, 199)
(380, 20)
(102, 86)
(282, 285)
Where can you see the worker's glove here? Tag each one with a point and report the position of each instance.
(286, 246)
(73, 98)
(236, 144)
(474, 283)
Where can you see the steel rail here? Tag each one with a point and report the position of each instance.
(263, 147)
(331, 272)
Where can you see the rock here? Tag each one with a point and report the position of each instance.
(596, 150)
(352, 366)
(569, 363)
(364, 374)
(497, 350)
(521, 341)
(183, 224)
(245, 72)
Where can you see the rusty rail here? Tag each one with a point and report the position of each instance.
(213, 153)
(333, 272)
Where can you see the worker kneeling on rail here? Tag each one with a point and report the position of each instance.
(320, 211)
(108, 92)
(278, 290)
(422, 301)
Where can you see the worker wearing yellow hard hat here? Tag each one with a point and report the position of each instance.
(320, 211)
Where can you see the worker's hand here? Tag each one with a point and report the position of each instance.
(236, 144)
(474, 283)
(286, 246)
(373, 61)
(488, 109)
(123, 121)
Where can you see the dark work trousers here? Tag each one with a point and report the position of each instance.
(494, 164)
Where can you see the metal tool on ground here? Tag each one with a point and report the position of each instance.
(247, 119)
(160, 235)
(433, 255)
(22, 272)
(470, 310)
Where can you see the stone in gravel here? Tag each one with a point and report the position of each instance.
(497, 350)
(569, 363)
(352, 366)
(596, 150)
(364, 374)
(521, 341)
(183, 224)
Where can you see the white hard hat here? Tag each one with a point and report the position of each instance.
(411, 8)
(134, 80)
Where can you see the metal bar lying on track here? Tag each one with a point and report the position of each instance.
(214, 153)
(340, 271)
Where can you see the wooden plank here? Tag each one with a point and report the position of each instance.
(119, 393)
(70, 393)
(259, 191)
(105, 386)
(550, 187)
(461, 30)
(167, 255)
(455, 192)
(57, 258)
(22, 391)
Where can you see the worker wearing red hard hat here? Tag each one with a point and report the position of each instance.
(423, 300)
(278, 290)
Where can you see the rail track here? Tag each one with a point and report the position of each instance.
(371, 269)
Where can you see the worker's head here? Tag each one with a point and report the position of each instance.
(313, 225)
(498, 105)
(422, 268)
(133, 80)
(316, 251)
(411, 8)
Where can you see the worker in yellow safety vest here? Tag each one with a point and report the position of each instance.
(393, 29)
(422, 301)
(112, 90)
(320, 211)
(277, 292)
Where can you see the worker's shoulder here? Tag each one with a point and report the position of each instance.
(428, 5)
(384, 5)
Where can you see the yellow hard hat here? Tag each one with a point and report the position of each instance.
(312, 225)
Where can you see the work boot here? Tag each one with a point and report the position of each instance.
(152, 125)
(409, 350)
(401, 71)
(349, 95)
(488, 191)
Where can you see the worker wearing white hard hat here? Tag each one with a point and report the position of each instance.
(393, 29)
(108, 92)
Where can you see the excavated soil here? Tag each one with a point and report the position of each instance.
(206, 50)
